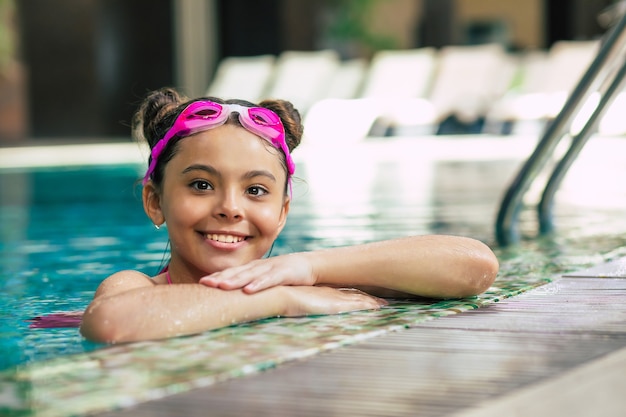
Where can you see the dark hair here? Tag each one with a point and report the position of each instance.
(158, 111)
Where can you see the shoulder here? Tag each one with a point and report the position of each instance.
(123, 281)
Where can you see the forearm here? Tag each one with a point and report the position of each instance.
(431, 266)
(165, 311)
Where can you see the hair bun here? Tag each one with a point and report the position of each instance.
(292, 121)
(152, 114)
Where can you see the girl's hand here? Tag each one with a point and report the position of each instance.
(304, 301)
(292, 269)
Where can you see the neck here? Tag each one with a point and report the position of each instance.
(177, 275)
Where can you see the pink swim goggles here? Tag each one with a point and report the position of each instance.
(204, 115)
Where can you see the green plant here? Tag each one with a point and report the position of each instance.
(7, 40)
(350, 21)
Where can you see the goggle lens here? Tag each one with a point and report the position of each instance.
(209, 112)
(263, 117)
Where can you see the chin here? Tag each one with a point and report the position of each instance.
(222, 264)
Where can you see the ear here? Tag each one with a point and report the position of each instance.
(152, 203)
(283, 214)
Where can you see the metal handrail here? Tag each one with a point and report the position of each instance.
(546, 224)
(605, 76)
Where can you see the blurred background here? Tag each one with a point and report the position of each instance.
(76, 69)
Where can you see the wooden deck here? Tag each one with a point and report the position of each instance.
(558, 350)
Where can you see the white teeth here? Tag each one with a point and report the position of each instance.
(225, 238)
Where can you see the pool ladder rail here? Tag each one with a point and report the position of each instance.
(604, 76)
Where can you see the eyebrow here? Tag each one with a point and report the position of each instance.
(211, 170)
(260, 173)
(200, 167)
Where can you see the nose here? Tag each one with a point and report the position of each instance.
(229, 206)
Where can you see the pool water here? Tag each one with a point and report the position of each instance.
(63, 230)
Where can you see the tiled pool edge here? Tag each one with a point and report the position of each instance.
(72, 155)
(441, 367)
(121, 376)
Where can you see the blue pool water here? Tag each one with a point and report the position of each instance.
(63, 230)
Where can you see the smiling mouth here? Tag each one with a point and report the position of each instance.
(225, 238)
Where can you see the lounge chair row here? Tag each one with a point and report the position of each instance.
(454, 89)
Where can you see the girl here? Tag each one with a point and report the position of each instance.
(220, 177)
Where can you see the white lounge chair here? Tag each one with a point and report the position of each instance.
(242, 77)
(546, 80)
(468, 80)
(400, 80)
(303, 77)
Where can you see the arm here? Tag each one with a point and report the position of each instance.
(429, 266)
(128, 306)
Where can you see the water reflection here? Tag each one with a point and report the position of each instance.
(357, 194)
(15, 196)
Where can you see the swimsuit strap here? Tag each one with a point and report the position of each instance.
(167, 275)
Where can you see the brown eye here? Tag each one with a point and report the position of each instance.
(201, 185)
(257, 190)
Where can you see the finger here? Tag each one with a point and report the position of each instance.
(367, 302)
(264, 275)
(233, 283)
(227, 280)
(251, 278)
(378, 301)
(262, 282)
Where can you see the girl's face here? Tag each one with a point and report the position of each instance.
(223, 199)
